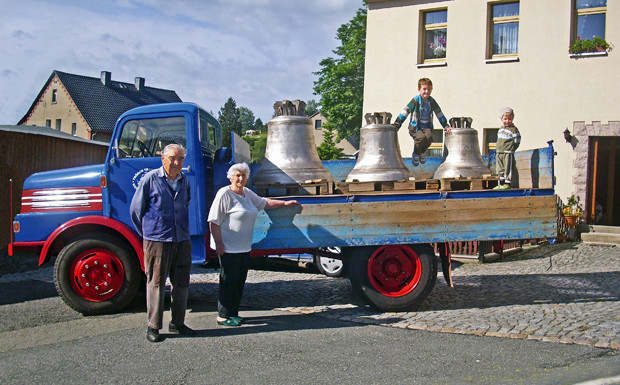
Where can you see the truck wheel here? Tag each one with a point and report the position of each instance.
(394, 277)
(95, 274)
(330, 267)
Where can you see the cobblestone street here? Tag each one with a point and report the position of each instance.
(567, 293)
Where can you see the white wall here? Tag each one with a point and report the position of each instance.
(547, 88)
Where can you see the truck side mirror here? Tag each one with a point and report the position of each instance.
(115, 154)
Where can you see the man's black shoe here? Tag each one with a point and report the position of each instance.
(181, 329)
(153, 335)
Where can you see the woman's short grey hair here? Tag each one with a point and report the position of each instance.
(241, 167)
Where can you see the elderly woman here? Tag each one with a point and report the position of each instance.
(231, 220)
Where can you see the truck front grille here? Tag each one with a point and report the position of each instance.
(62, 199)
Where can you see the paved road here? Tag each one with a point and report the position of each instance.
(550, 315)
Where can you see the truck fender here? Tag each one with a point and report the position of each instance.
(122, 229)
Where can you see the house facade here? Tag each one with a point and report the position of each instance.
(318, 120)
(87, 107)
(483, 55)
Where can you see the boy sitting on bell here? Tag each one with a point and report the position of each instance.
(421, 108)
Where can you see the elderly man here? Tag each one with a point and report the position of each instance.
(159, 211)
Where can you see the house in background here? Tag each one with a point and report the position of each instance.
(318, 120)
(483, 55)
(88, 107)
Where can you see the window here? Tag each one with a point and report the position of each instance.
(58, 124)
(54, 96)
(48, 123)
(504, 29)
(436, 148)
(148, 137)
(318, 124)
(435, 35)
(74, 129)
(208, 132)
(490, 140)
(589, 19)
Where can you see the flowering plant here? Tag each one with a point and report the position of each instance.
(596, 44)
(572, 207)
(439, 50)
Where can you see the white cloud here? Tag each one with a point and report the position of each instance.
(256, 51)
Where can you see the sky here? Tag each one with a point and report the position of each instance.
(255, 51)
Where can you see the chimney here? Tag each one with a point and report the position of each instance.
(106, 78)
(139, 84)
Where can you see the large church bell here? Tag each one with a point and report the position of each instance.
(379, 157)
(291, 155)
(462, 157)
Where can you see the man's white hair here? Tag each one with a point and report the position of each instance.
(241, 167)
(172, 147)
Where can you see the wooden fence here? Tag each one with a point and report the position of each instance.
(25, 150)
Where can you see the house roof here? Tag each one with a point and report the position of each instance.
(46, 131)
(101, 105)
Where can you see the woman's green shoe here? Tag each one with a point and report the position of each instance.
(229, 322)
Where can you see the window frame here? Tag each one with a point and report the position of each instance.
(583, 12)
(424, 28)
(492, 21)
(54, 96)
(487, 135)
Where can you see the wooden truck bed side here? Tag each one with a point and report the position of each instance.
(408, 218)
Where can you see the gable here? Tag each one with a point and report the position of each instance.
(100, 105)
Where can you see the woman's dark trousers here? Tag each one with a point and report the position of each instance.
(233, 273)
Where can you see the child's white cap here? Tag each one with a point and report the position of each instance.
(504, 111)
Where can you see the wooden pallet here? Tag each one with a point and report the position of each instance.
(404, 185)
(443, 184)
(313, 187)
(455, 184)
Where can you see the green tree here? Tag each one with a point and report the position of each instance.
(259, 125)
(246, 117)
(257, 143)
(311, 107)
(341, 79)
(327, 149)
(229, 118)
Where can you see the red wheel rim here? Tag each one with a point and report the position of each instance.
(97, 275)
(394, 270)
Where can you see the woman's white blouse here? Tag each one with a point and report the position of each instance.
(236, 216)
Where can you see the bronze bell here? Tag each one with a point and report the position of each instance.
(462, 157)
(290, 155)
(379, 158)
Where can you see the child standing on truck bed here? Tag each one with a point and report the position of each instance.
(421, 108)
(508, 140)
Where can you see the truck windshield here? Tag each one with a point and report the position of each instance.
(145, 138)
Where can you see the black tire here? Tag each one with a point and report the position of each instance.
(330, 267)
(97, 274)
(413, 290)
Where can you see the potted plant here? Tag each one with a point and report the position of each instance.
(596, 44)
(571, 212)
(438, 50)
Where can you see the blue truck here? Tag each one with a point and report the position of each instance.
(388, 239)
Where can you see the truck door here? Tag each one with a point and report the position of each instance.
(136, 150)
